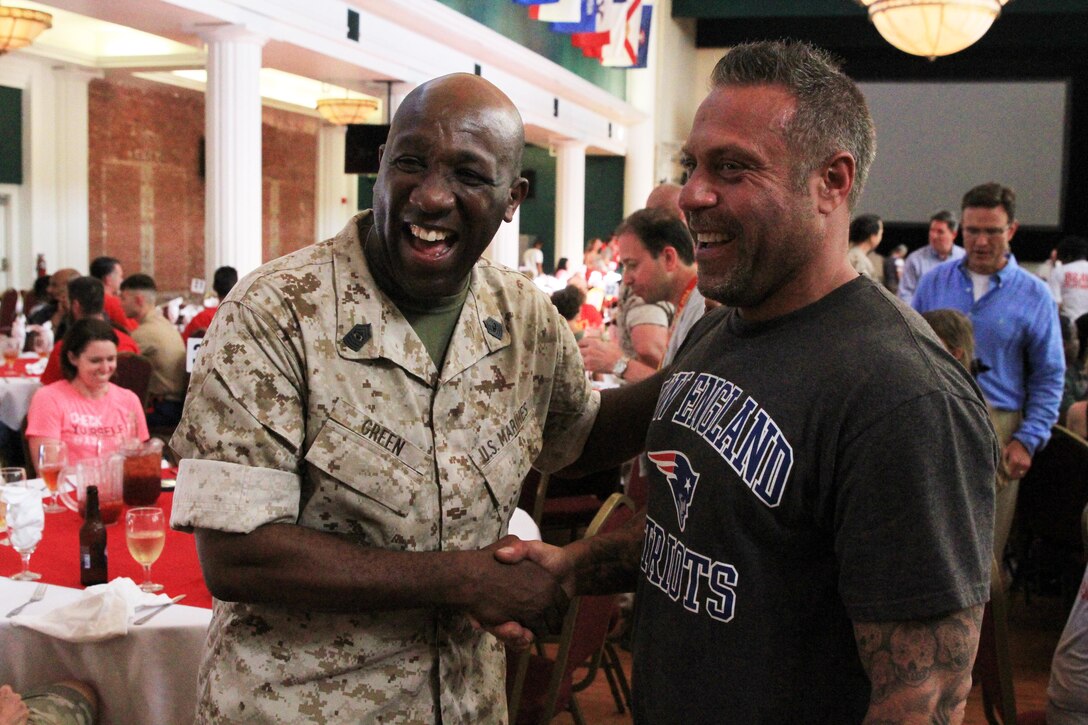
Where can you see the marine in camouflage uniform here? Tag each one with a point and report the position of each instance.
(314, 402)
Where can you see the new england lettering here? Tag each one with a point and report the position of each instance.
(384, 437)
(505, 434)
(681, 572)
(743, 434)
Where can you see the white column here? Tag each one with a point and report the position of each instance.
(232, 228)
(570, 199)
(72, 181)
(504, 246)
(337, 192)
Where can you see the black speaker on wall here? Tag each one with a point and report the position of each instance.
(361, 147)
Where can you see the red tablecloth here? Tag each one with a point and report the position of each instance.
(57, 557)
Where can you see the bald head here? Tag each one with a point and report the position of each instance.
(479, 102)
(666, 198)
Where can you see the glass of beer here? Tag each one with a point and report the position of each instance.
(52, 457)
(145, 534)
(10, 348)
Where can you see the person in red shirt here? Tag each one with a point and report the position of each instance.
(85, 299)
(108, 271)
(224, 280)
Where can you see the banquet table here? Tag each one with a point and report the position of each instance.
(145, 677)
(17, 387)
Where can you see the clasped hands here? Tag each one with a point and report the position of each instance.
(529, 593)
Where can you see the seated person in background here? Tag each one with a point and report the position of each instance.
(56, 311)
(640, 331)
(160, 343)
(568, 301)
(1073, 410)
(223, 282)
(65, 703)
(85, 298)
(591, 315)
(107, 270)
(956, 332)
(85, 407)
(866, 231)
(38, 301)
(893, 268)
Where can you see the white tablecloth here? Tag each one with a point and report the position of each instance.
(15, 395)
(147, 677)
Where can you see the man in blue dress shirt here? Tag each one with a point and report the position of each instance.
(1017, 337)
(941, 248)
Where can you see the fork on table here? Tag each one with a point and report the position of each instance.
(37, 596)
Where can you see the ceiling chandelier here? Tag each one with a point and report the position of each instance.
(345, 111)
(932, 28)
(19, 27)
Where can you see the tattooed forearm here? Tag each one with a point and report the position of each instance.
(611, 564)
(920, 667)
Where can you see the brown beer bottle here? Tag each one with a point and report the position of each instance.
(92, 543)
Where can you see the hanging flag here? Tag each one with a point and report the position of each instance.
(629, 41)
(534, 2)
(562, 11)
(592, 15)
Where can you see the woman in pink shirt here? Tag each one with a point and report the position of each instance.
(85, 407)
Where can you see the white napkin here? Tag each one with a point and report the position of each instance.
(103, 612)
(26, 516)
(37, 368)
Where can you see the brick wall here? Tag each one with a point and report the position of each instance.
(146, 190)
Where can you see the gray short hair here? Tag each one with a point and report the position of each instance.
(831, 113)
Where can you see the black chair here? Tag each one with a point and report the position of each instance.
(1052, 496)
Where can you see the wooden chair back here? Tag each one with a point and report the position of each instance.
(8, 303)
(993, 665)
(535, 699)
(133, 373)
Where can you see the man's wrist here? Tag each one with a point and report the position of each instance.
(620, 366)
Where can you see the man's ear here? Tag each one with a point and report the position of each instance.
(1013, 226)
(519, 189)
(836, 181)
(670, 257)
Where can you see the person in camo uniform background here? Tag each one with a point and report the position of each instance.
(355, 437)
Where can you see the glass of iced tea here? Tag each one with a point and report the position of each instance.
(145, 534)
(143, 473)
(52, 457)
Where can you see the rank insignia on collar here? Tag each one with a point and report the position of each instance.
(357, 337)
(493, 327)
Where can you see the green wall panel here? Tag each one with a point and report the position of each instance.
(604, 195)
(11, 135)
(538, 211)
(512, 21)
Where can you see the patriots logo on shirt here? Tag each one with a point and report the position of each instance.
(677, 470)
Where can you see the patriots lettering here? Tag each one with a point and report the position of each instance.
(677, 570)
(734, 425)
